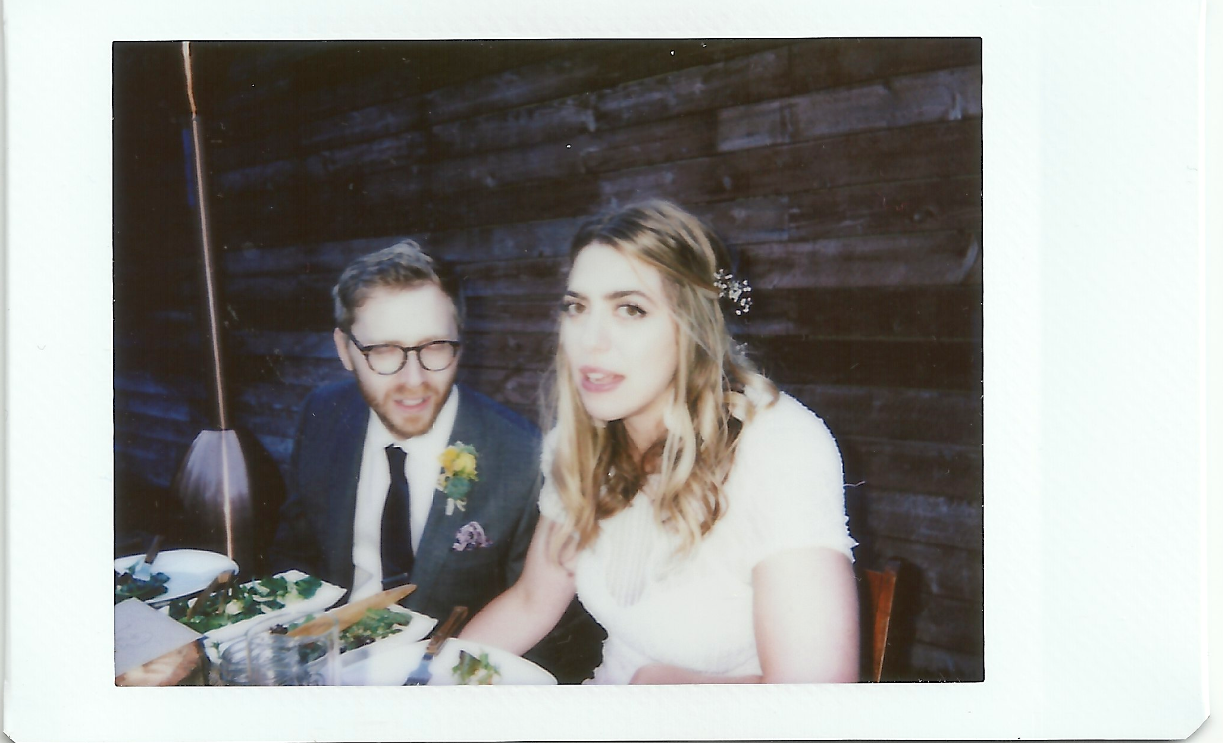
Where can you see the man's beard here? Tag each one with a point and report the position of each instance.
(400, 425)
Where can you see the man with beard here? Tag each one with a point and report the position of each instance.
(382, 490)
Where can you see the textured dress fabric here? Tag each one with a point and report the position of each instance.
(785, 491)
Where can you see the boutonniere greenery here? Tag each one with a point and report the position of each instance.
(458, 473)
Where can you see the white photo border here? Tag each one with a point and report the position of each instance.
(1095, 383)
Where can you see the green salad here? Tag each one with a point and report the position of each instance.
(128, 586)
(239, 602)
(375, 625)
(473, 670)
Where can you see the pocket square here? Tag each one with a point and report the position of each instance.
(469, 537)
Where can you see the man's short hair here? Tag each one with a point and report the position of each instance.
(404, 265)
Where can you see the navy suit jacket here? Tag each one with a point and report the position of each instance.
(315, 533)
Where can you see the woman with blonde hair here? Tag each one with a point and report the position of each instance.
(696, 512)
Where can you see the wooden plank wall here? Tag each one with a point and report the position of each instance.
(847, 173)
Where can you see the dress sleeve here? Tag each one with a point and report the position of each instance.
(788, 472)
(550, 506)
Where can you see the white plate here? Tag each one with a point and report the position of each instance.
(326, 595)
(419, 628)
(189, 570)
(390, 665)
(416, 630)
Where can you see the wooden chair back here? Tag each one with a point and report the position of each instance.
(881, 590)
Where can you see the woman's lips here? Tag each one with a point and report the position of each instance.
(593, 379)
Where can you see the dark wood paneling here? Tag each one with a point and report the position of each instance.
(543, 162)
(913, 415)
(952, 625)
(749, 78)
(893, 312)
(937, 569)
(828, 63)
(288, 344)
(154, 459)
(550, 181)
(528, 276)
(276, 424)
(328, 258)
(937, 258)
(282, 289)
(917, 466)
(942, 150)
(744, 221)
(947, 365)
(552, 121)
(480, 206)
(268, 401)
(949, 204)
(526, 313)
(516, 241)
(940, 664)
(517, 387)
(343, 163)
(945, 95)
(279, 447)
(602, 65)
(168, 387)
(680, 138)
(625, 65)
(930, 519)
(340, 77)
(157, 427)
(509, 351)
(516, 108)
(143, 403)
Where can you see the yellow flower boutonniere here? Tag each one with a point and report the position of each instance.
(458, 473)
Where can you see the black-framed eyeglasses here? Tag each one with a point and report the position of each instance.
(389, 358)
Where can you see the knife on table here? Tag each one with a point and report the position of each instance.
(422, 674)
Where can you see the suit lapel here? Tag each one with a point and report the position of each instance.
(439, 534)
(349, 436)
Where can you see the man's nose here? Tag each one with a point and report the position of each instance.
(412, 373)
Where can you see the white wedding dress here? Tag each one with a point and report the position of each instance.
(784, 491)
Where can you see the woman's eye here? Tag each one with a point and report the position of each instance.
(570, 307)
(631, 310)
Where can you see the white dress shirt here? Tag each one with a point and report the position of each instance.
(422, 469)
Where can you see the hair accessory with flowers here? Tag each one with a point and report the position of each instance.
(458, 473)
(737, 291)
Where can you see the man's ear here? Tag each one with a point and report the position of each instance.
(341, 348)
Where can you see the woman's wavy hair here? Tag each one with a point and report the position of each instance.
(595, 469)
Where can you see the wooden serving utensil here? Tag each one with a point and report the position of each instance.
(216, 584)
(142, 569)
(350, 614)
(154, 548)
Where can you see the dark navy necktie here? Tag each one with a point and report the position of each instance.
(397, 557)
